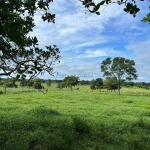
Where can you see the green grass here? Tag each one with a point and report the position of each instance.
(77, 120)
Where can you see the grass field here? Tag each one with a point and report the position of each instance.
(74, 120)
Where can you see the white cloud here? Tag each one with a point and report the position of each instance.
(142, 58)
(85, 39)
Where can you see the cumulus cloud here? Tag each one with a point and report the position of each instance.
(85, 39)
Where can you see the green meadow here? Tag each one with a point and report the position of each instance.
(74, 120)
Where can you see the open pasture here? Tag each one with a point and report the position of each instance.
(74, 120)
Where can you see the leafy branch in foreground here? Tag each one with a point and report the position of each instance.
(19, 52)
(130, 6)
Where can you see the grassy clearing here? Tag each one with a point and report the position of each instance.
(77, 120)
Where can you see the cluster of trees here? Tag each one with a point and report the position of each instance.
(109, 83)
(35, 83)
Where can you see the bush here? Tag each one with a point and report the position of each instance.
(1, 92)
(37, 85)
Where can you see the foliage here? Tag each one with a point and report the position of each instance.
(71, 81)
(37, 84)
(48, 82)
(143, 85)
(61, 85)
(128, 84)
(93, 85)
(130, 6)
(119, 68)
(99, 83)
(96, 84)
(83, 82)
(110, 83)
(10, 83)
(19, 52)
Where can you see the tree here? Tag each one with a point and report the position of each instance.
(128, 84)
(99, 83)
(93, 85)
(96, 84)
(110, 83)
(61, 85)
(71, 81)
(37, 84)
(130, 6)
(119, 68)
(48, 82)
(19, 52)
(23, 83)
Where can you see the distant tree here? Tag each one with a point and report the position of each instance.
(23, 83)
(48, 82)
(71, 81)
(119, 68)
(99, 83)
(11, 83)
(38, 84)
(110, 83)
(128, 84)
(93, 85)
(84, 82)
(96, 84)
(61, 85)
(143, 85)
(30, 83)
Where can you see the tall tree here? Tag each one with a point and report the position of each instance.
(119, 68)
(20, 53)
(130, 6)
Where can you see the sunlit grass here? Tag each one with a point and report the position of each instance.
(74, 120)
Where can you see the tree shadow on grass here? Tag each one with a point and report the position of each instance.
(42, 129)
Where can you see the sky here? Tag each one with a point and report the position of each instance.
(86, 39)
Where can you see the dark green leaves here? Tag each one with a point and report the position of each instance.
(132, 9)
(130, 6)
(20, 52)
(147, 18)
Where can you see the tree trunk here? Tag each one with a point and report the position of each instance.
(119, 87)
(4, 89)
(14, 89)
(22, 88)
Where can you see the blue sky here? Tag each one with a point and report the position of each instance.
(85, 39)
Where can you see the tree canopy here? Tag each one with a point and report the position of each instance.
(96, 84)
(119, 68)
(71, 81)
(20, 53)
(130, 6)
(110, 83)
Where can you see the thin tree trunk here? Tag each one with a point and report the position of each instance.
(4, 89)
(119, 87)
(22, 88)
